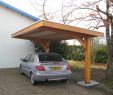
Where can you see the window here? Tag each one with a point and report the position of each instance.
(31, 59)
(50, 57)
(27, 57)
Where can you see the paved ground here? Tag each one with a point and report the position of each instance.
(13, 83)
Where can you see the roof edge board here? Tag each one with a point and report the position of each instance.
(44, 23)
(40, 23)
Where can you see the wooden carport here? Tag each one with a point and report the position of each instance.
(44, 32)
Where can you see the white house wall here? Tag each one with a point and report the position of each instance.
(11, 50)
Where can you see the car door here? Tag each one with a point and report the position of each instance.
(30, 64)
(25, 63)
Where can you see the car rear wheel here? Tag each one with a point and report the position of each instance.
(64, 80)
(33, 81)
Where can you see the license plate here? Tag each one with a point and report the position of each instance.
(55, 68)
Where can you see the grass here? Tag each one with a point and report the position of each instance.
(80, 64)
(105, 85)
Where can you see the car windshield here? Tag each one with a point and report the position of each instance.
(50, 57)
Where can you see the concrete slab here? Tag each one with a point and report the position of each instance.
(92, 83)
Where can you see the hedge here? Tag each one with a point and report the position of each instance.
(74, 52)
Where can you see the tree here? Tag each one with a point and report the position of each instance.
(40, 8)
(58, 46)
(94, 48)
(97, 17)
(109, 35)
(92, 16)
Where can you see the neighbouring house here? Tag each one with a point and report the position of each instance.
(12, 20)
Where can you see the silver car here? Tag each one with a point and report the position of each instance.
(45, 67)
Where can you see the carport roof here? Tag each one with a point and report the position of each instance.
(51, 31)
(44, 32)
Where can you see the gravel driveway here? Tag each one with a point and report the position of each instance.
(13, 83)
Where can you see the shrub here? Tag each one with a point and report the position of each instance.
(73, 52)
(101, 55)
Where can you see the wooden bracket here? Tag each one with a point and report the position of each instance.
(82, 41)
(45, 45)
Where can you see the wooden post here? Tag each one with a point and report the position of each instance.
(87, 60)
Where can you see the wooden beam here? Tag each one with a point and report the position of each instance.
(87, 60)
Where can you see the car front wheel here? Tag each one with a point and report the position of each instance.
(20, 70)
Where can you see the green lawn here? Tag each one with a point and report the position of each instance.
(80, 64)
(104, 84)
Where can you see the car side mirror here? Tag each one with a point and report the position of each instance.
(24, 60)
(21, 59)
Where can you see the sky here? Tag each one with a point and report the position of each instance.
(53, 5)
(22, 5)
(26, 5)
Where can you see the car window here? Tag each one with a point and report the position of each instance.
(50, 57)
(27, 57)
(31, 59)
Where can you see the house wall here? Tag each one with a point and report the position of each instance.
(11, 50)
